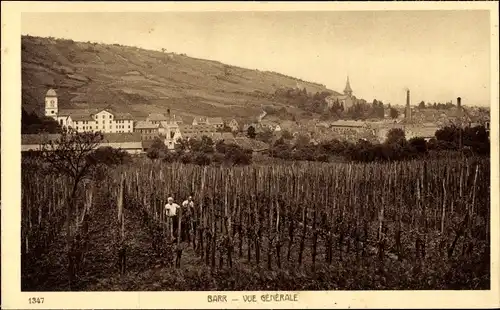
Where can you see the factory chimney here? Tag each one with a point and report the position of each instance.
(408, 108)
(459, 102)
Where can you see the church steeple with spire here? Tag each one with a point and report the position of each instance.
(348, 90)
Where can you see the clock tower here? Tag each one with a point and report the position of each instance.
(51, 103)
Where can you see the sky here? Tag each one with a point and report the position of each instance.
(438, 55)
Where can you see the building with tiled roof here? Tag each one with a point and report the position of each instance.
(87, 120)
(270, 125)
(348, 123)
(215, 121)
(199, 121)
(196, 131)
(157, 118)
(147, 130)
(225, 136)
(146, 125)
(426, 132)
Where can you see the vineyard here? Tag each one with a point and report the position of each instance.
(403, 225)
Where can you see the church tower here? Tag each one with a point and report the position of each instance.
(348, 90)
(51, 103)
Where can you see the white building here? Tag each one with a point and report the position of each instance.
(88, 120)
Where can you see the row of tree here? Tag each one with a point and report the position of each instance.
(201, 152)
(436, 105)
(396, 147)
(317, 103)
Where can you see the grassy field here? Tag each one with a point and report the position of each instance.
(124, 77)
(407, 225)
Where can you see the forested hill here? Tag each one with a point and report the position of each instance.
(143, 81)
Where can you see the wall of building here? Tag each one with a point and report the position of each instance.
(102, 121)
(30, 147)
(130, 147)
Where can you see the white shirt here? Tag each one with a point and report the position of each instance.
(187, 202)
(171, 209)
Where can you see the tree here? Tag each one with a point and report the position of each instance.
(280, 149)
(395, 136)
(265, 136)
(251, 132)
(449, 134)
(302, 141)
(200, 158)
(237, 155)
(157, 149)
(71, 155)
(206, 145)
(419, 144)
(181, 145)
(286, 135)
(421, 105)
(33, 124)
(110, 156)
(394, 113)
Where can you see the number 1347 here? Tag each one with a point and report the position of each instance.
(36, 300)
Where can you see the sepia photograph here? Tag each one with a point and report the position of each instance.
(255, 150)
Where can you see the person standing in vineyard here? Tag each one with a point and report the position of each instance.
(171, 212)
(188, 210)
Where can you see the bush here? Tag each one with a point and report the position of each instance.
(153, 153)
(201, 159)
(169, 157)
(238, 156)
(185, 159)
(419, 144)
(110, 156)
(218, 158)
(157, 149)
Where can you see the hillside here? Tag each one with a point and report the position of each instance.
(140, 81)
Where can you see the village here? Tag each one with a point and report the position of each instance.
(123, 131)
(250, 150)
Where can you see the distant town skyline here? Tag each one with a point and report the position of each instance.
(438, 55)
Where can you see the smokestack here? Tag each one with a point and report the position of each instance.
(459, 102)
(408, 108)
(168, 112)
